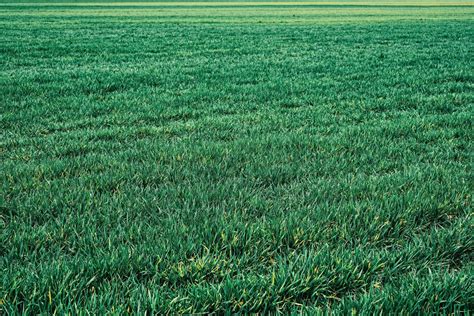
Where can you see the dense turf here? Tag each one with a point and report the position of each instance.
(179, 159)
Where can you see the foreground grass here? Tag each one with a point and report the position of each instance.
(185, 160)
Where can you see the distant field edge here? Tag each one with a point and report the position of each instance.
(242, 3)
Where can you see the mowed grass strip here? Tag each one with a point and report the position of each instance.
(196, 163)
(35, 16)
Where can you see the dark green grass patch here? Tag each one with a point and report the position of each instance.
(211, 162)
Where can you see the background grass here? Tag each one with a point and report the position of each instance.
(195, 159)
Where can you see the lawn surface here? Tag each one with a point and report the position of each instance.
(226, 157)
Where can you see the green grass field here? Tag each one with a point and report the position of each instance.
(296, 157)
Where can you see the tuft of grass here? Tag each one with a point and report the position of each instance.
(236, 158)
